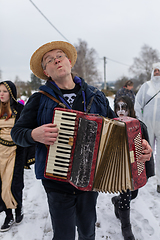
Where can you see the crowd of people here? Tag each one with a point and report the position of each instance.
(24, 129)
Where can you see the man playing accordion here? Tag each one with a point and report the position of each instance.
(68, 206)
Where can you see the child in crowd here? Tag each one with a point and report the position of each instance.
(125, 107)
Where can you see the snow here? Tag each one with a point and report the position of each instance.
(145, 214)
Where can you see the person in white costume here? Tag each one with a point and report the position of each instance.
(147, 104)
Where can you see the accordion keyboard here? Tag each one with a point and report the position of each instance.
(60, 152)
(138, 151)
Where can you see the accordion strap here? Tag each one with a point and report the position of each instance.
(90, 103)
(54, 99)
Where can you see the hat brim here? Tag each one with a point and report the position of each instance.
(36, 59)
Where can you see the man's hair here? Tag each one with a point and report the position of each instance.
(128, 83)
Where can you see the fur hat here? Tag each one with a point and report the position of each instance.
(36, 59)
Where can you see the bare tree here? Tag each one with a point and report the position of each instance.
(35, 82)
(85, 66)
(143, 64)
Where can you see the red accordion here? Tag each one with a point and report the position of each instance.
(96, 153)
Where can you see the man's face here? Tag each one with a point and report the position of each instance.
(56, 64)
(156, 72)
(129, 87)
(121, 109)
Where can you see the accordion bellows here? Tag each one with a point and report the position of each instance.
(94, 153)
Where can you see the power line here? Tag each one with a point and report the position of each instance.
(49, 21)
(63, 35)
(118, 62)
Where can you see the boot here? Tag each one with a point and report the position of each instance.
(8, 222)
(125, 224)
(115, 201)
(19, 215)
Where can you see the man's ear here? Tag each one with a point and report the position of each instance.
(46, 73)
(70, 62)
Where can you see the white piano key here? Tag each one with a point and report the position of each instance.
(58, 173)
(62, 113)
(64, 119)
(60, 121)
(54, 159)
(53, 166)
(62, 146)
(60, 169)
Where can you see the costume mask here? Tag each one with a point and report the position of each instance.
(122, 109)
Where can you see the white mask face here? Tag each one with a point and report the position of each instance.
(122, 109)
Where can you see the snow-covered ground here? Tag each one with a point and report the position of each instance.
(145, 214)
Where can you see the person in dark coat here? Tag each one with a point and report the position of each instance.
(126, 90)
(125, 107)
(11, 157)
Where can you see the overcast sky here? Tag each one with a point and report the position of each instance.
(116, 29)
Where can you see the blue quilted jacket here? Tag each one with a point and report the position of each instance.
(39, 110)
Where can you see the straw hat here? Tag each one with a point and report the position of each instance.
(36, 59)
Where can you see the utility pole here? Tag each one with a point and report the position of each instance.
(105, 62)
